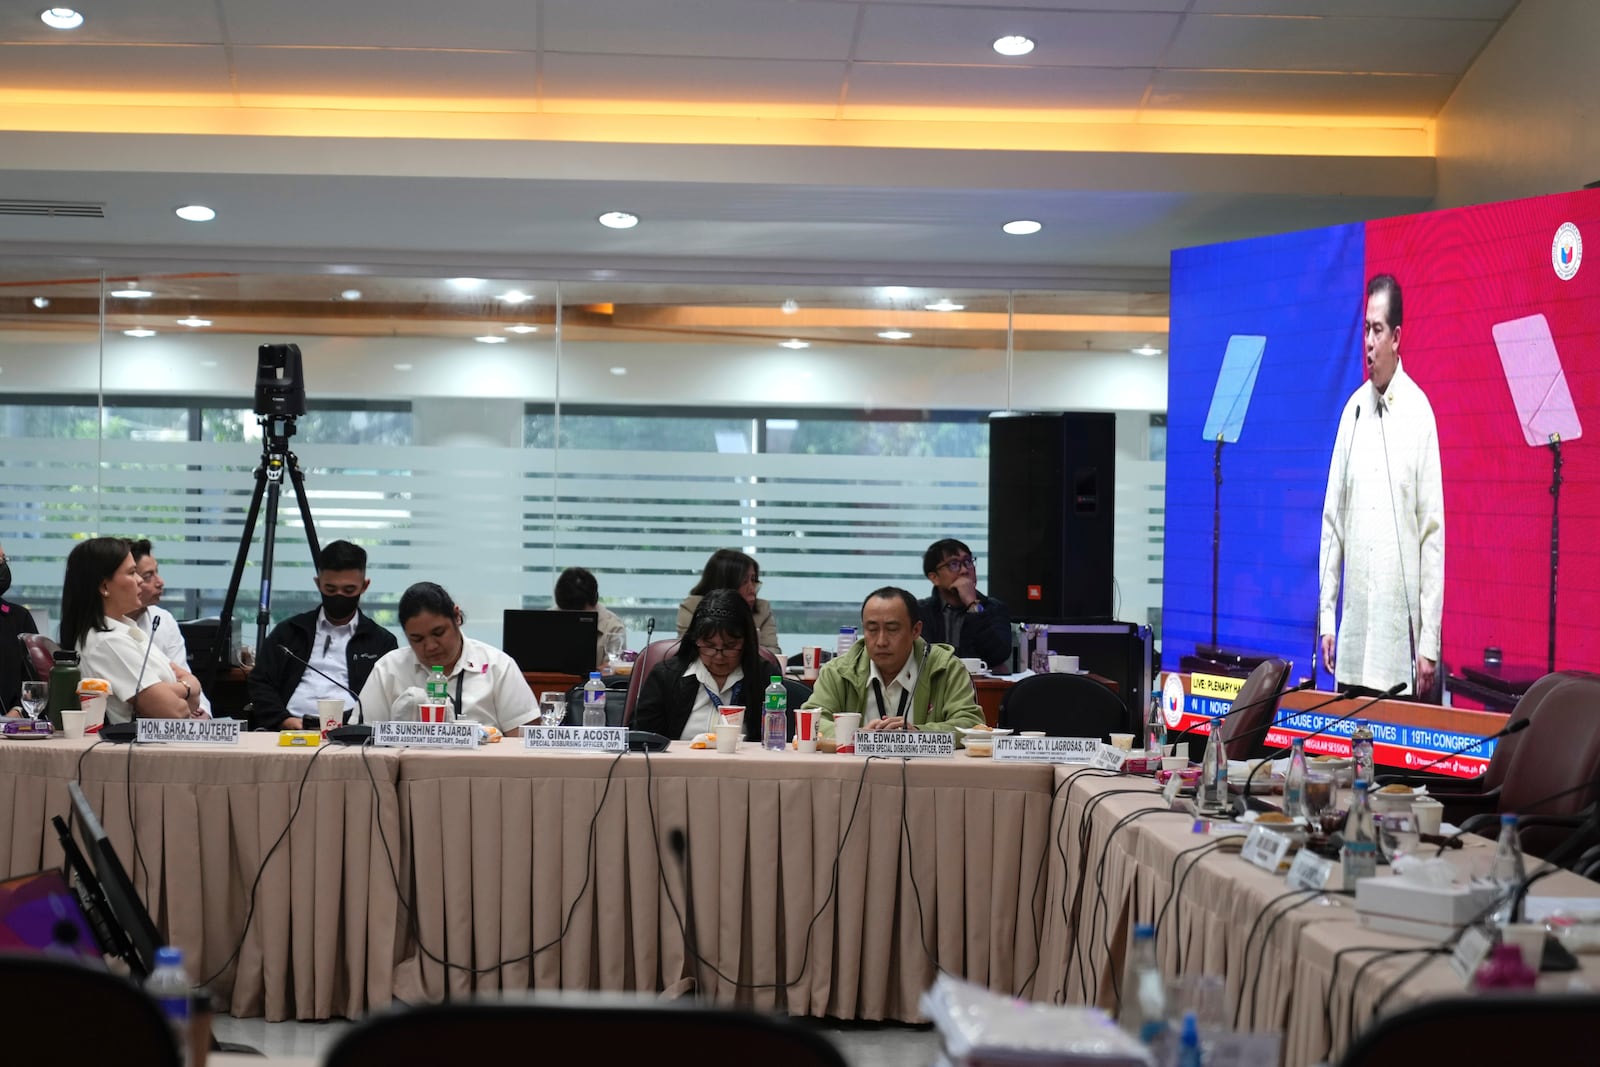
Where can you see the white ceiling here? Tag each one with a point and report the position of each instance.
(879, 140)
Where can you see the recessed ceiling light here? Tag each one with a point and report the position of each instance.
(619, 371)
(1013, 45)
(195, 213)
(618, 220)
(1022, 227)
(130, 293)
(516, 296)
(893, 335)
(465, 285)
(61, 18)
(522, 328)
(194, 322)
(138, 333)
(350, 294)
(790, 306)
(794, 342)
(490, 339)
(894, 292)
(402, 366)
(1146, 351)
(41, 301)
(944, 304)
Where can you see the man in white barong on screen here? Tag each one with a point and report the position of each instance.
(1383, 520)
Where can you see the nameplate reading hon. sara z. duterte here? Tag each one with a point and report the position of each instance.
(905, 743)
(189, 731)
(425, 734)
(1045, 749)
(576, 738)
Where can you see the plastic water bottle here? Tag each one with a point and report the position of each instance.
(594, 701)
(1508, 872)
(1211, 793)
(775, 719)
(168, 986)
(1294, 782)
(1189, 1053)
(1361, 750)
(1155, 734)
(847, 640)
(1359, 857)
(1144, 990)
(438, 687)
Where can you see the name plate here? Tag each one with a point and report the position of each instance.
(1472, 948)
(576, 738)
(912, 743)
(1045, 749)
(1265, 848)
(189, 731)
(425, 734)
(1109, 758)
(1309, 870)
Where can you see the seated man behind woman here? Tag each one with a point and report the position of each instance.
(727, 569)
(717, 664)
(485, 685)
(98, 596)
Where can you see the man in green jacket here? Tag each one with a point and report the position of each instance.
(895, 679)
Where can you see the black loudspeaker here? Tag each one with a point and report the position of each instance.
(1052, 496)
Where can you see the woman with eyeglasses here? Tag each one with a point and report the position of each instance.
(718, 664)
(730, 569)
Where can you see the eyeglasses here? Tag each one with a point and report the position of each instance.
(960, 563)
(719, 650)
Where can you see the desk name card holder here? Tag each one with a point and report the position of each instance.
(425, 734)
(188, 731)
(907, 743)
(575, 738)
(1045, 749)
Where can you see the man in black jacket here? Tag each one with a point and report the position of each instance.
(957, 614)
(337, 639)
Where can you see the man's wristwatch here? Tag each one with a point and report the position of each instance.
(186, 693)
(976, 605)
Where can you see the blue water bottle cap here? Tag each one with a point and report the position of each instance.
(1144, 930)
(1507, 819)
(594, 674)
(169, 956)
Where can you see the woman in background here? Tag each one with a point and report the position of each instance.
(730, 569)
(485, 685)
(99, 593)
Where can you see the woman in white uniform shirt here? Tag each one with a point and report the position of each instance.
(100, 591)
(486, 685)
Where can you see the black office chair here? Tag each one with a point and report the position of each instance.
(1550, 1029)
(1063, 705)
(1245, 735)
(590, 1028)
(127, 1028)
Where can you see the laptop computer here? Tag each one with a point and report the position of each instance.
(561, 642)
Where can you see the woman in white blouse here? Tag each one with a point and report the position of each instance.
(100, 591)
(485, 684)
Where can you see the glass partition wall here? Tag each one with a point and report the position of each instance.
(487, 433)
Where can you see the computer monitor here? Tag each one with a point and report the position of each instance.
(560, 642)
(40, 913)
(122, 899)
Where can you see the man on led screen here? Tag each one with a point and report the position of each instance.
(1383, 519)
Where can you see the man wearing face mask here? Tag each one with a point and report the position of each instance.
(337, 639)
(14, 620)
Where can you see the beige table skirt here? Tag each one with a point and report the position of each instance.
(942, 862)
(323, 939)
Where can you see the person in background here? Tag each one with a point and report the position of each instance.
(894, 678)
(337, 638)
(976, 626)
(577, 590)
(717, 664)
(101, 590)
(15, 620)
(486, 685)
(156, 621)
(729, 569)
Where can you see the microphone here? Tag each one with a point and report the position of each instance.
(1510, 728)
(1399, 548)
(123, 732)
(680, 848)
(1393, 690)
(649, 630)
(1344, 499)
(359, 734)
(1217, 721)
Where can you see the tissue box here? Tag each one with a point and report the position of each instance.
(1399, 905)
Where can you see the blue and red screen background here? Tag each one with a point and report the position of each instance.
(1461, 272)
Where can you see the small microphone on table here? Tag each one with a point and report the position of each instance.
(359, 734)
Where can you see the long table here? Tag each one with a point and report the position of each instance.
(963, 863)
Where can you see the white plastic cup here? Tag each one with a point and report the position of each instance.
(845, 726)
(1529, 940)
(810, 662)
(73, 722)
(433, 713)
(1122, 741)
(331, 711)
(805, 730)
(730, 728)
(1427, 813)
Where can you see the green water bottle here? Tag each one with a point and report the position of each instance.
(64, 679)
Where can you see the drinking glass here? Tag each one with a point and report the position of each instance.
(34, 695)
(553, 707)
(1319, 796)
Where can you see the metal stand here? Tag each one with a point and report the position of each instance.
(275, 459)
(1555, 541)
(1216, 536)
